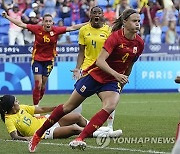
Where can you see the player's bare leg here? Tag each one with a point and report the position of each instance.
(73, 118)
(109, 100)
(74, 101)
(66, 131)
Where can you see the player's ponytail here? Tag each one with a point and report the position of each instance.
(118, 23)
(2, 112)
(6, 104)
(124, 16)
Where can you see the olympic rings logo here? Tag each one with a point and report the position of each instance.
(155, 47)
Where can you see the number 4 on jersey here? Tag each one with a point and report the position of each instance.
(94, 43)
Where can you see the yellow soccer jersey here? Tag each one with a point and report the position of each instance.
(23, 121)
(93, 39)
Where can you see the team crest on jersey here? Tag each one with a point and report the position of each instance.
(83, 88)
(36, 69)
(51, 33)
(135, 50)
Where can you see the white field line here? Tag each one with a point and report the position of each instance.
(142, 102)
(96, 147)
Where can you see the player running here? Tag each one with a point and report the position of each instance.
(105, 77)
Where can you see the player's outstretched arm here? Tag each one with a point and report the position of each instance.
(39, 109)
(13, 20)
(75, 27)
(14, 135)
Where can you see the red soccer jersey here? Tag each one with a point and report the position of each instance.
(44, 48)
(122, 53)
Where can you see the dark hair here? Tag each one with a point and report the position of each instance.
(47, 15)
(109, 5)
(6, 104)
(124, 16)
(96, 7)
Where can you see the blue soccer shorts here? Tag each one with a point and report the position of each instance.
(42, 67)
(87, 86)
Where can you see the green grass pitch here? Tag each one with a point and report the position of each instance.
(148, 121)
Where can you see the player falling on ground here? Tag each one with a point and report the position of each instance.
(22, 124)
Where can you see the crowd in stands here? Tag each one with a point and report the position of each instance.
(160, 19)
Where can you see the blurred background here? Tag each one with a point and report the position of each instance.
(155, 71)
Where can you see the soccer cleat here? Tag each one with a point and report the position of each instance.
(104, 129)
(78, 143)
(101, 134)
(33, 143)
(116, 133)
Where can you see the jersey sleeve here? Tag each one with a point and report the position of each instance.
(110, 43)
(141, 48)
(81, 36)
(10, 125)
(29, 109)
(32, 28)
(61, 30)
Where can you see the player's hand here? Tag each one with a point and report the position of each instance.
(28, 138)
(4, 14)
(76, 74)
(123, 79)
(148, 9)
